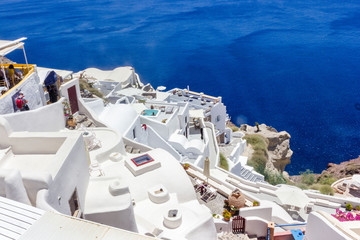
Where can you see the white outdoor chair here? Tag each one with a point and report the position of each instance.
(209, 194)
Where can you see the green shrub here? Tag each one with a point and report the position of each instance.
(256, 140)
(315, 186)
(258, 162)
(96, 92)
(326, 179)
(234, 129)
(259, 156)
(349, 207)
(274, 178)
(302, 186)
(88, 86)
(223, 162)
(326, 189)
(307, 177)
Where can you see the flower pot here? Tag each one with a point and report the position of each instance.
(71, 122)
(226, 219)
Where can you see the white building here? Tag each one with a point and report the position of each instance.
(214, 110)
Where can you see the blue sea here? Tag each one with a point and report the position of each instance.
(294, 65)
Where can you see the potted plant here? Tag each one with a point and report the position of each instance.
(233, 210)
(186, 166)
(70, 121)
(349, 207)
(256, 203)
(226, 204)
(226, 215)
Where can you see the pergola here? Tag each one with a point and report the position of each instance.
(7, 47)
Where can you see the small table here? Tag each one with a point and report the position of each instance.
(172, 220)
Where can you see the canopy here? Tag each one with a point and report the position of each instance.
(9, 46)
(293, 196)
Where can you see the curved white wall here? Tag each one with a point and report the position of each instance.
(320, 228)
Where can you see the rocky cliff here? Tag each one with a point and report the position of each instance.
(279, 152)
(344, 169)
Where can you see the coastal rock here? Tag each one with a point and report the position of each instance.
(344, 169)
(279, 152)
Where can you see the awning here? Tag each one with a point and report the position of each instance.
(7, 47)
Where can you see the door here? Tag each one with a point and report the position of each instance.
(73, 99)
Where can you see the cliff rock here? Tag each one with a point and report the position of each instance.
(279, 152)
(344, 169)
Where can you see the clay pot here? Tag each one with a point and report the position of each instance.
(71, 122)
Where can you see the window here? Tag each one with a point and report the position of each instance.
(218, 118)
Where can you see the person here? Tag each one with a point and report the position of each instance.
(21, 102)
(13, 74)
(53, 94)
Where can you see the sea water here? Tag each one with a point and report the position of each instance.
(293, 65)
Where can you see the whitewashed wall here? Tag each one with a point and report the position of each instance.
(49, 118)
(219, 109)
(73, 174)
(320, 228)
(33, 92)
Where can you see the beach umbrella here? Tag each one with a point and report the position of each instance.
(207, 168)
(292, 196)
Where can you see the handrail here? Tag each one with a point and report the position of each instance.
(285, 225)
(31, 70)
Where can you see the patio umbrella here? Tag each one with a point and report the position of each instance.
(207, 168)
(293, 196)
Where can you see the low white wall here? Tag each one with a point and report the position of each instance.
(320, 228)
(95, 104)
(237, 151)
(159, 127)
(35, 183)
(155, 141)
(33, 93)
(259, 211)
(339, 200)
(74, 172)
(141, 147)
(49, 118)
(41, 143)
(90, 113)
(204, 229)
(257, 226)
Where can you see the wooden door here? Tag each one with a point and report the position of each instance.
(73, 99)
